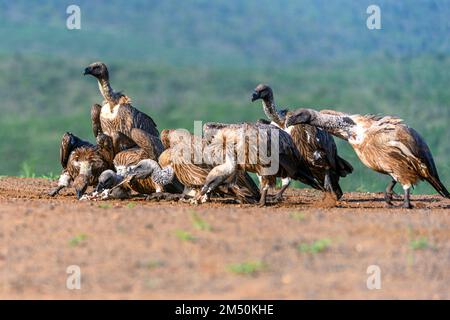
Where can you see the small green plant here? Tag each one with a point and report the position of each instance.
(153, 264)
(27, 170)
(77, 240)
(247, 268)
(420, 243)
(299, 216)
(131, 205)
(184, 235)
(50, 176)
(105, 205)
(199, 223)
(315, 246)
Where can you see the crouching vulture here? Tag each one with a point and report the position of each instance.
(187, 156)
(315, 145)
(83, 162)
(247, 147)
(121, 182)
(116, 116)
(383, 143)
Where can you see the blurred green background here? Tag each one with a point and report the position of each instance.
(182, 61)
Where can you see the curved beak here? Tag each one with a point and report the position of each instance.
(290, 121)
(79, 194)
(255, 96)
(87, 71)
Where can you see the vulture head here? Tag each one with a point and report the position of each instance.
(98, 70)
(107, 180)
(262, 91)
(300, 116)
(143, 169)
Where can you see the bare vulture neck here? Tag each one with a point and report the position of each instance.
(107, 92)
(271, 111)
(338, 125)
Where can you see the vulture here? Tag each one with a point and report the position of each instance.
(187, 155)
(315, 145)
(383, 143)
(246, 147)
(83, 162)
(116, 116)
(148, 148)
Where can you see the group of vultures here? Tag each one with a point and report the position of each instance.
(131, 157)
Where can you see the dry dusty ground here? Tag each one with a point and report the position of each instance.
(141, 249)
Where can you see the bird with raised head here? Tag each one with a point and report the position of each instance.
(315, 145)
(116, 116)
(383, 143)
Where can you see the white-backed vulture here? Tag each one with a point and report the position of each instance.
(246, 147)
(116, 116)
(83, 162)
(383, 143)
(315, 145)
(191, 168)
(148, 148)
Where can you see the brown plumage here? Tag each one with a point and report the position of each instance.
(247, 154)
(148, 147)
(116, 116)
(315, 145)
(192, 165)
(82, 162)
(384, 144)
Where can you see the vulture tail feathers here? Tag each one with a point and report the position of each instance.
(343, 167)
(437, 184)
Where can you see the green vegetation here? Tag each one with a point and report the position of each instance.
(78, 240)
(420, 243)
(131, 205)
(200, 60)
(247, 268)
(184, 235)
(199, 223)
(151, 264)
(105, 205)
(316, 246)
(299, 216)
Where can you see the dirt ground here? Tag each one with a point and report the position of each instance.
(137, 249)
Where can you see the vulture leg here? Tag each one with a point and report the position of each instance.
(285, 182)
(331, 184)
(264, 188)
(121, 142)
(388, 193)
(64, 181)
(96, 109)
(407, 201)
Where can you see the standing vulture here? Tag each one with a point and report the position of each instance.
(383, 143)
(315, 145)
(116, 116)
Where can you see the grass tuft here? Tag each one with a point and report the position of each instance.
(247, 268)
(315, 246)
(199, 223)
(184, 235)
(78, 240)
(420, 243)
